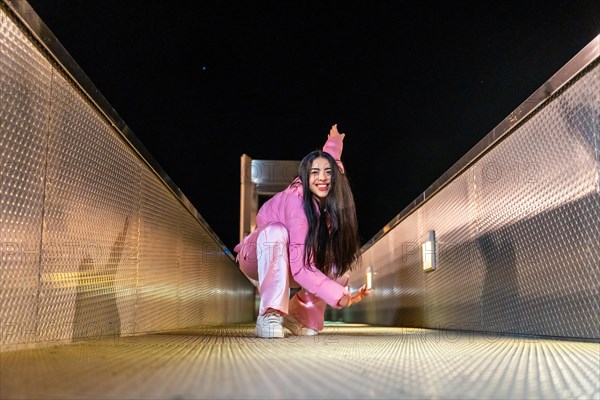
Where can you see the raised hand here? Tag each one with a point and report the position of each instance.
(334, 132)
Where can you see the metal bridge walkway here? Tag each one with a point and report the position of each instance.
(344, 362)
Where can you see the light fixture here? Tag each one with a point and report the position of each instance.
(369, 277)
(428, 252)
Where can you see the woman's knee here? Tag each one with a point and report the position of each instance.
(276, 232)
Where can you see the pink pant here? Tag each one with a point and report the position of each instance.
(263, 256)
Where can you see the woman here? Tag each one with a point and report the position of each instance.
(306, 237)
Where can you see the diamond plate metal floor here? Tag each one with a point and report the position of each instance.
(345, 361)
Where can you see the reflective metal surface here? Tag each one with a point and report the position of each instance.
(22, 11)
(518, 232)
(92, 240)
(345, 362)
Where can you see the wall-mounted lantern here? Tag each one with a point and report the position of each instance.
(369, 277)
(428, 252)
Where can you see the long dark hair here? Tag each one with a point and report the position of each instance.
(333, 250)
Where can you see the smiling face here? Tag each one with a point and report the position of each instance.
(320, 178)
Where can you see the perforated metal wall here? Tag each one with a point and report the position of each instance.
(24, 109)
(517, 232)
(93, 242)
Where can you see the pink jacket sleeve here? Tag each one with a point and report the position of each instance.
(334, 147)
(310, 278)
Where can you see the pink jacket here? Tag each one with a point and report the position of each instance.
(286, 208)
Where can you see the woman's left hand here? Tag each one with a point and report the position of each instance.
(356, 297)
(359, 294)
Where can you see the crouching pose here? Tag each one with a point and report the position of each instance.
(305, 237)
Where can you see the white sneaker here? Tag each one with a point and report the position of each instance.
(269, 326)
(296, 327)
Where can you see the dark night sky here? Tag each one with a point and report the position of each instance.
(413, 86)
